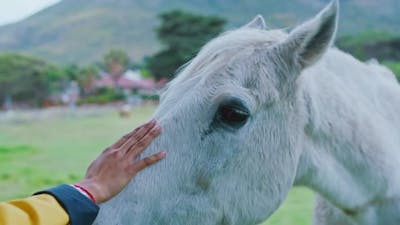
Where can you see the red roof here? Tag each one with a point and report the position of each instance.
(143, 84)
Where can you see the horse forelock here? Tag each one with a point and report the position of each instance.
(218, 53)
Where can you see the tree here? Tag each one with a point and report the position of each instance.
(86, 77)
(182, 35)
(71, 71)
(116, 61)
(27, 79)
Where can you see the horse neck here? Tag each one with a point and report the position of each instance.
(346, 158)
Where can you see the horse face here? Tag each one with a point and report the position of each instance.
(232, 127)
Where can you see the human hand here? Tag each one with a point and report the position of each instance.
(116, 166)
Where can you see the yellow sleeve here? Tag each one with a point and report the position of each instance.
(40, 209)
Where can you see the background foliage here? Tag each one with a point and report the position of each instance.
(182, 35)
(82, 31)
(28, 79)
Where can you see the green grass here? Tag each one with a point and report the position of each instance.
(296, 210)
(39, 154)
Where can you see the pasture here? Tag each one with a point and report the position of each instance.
(46, 148)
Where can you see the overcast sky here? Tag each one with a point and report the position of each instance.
(15, 10)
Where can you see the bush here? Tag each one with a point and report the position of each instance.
(27, 79)
(103, 96)
(153, 97)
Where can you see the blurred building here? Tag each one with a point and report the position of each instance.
(130, 81)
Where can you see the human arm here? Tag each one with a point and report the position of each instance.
(104, 179)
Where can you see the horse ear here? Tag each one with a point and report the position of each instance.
(308, 42)
(257, 23)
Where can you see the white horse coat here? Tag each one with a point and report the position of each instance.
(258, 111)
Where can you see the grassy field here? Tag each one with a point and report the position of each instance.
(42, 150)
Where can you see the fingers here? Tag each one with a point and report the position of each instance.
(148, 161)
(124, 138)
(127, 136)
(144, 142)
(136, 136)
(135, 131)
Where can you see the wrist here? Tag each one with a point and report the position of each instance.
(92, 189)
(85, 192)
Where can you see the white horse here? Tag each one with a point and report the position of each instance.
(258, 111)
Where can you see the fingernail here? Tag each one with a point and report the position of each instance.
(163, 154)
(156, 129)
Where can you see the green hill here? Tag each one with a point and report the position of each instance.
(81, 31)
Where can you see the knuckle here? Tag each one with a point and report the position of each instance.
(115, 153)
(139, 145)
(147, 161)
(136, 136)
(148, 127)
(142, 143)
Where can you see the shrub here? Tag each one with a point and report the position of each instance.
(103, 96)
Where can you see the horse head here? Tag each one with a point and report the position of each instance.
(231, 124)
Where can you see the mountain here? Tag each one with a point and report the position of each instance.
(81, 31)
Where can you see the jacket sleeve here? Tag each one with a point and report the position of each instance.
(60, 205)
(36, 210)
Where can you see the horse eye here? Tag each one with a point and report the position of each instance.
(233, 114)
